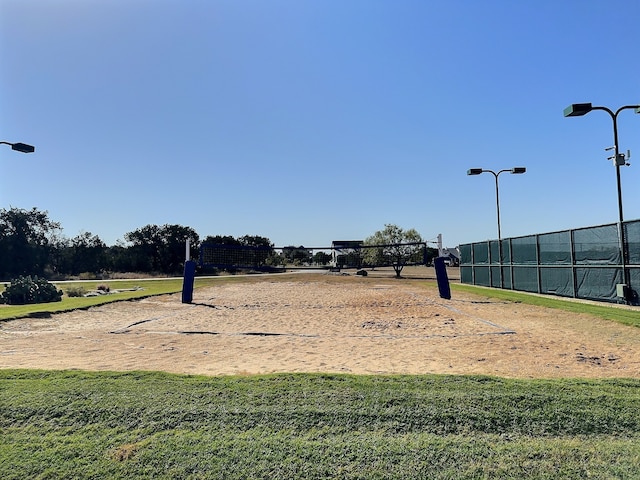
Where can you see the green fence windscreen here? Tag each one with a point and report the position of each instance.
(597, 283)
(480, 253)
(597, 245)
(466, 275)
(506, 251)
(555, 248)
(465, 254)
(506, 278)
(494, 252)
(495, 276)
(525, 279)
(557, 281)
(582, 263)
(632, 239)
(481, 276)
(524, 251)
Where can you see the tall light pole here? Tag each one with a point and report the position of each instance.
(619, 159)
(514, 170)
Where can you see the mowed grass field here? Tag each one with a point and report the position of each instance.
(75, 424)
(154, 425)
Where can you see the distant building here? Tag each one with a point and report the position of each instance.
(451, 256)
(347, 253)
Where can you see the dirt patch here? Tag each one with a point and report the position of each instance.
(325, 323)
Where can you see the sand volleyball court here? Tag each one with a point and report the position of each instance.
(324, 323)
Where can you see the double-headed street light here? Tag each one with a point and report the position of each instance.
(20, 147)
(514, 170)
(619, 159)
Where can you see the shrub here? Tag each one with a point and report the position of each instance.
(76, 291)
(103, 287)
(27, 290)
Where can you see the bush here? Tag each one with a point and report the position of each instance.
(27, 290)
(76, 291)
(103, 287)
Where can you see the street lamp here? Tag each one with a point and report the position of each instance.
(619, 159)
(20, 147)
(514, 170)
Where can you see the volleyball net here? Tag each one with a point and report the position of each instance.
(340, 255)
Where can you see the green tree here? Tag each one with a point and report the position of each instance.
(160, 248)
(246, 251)
(120, 258)
(262, 252)
(397, 247)
(83, 253)
(255, 241)
(297, 255)
(87, 253)
(322, 258)
(174, 243)
(221, 240)
(25, 241)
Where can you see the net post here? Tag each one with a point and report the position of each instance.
(188, 280)
(442, 278)
(189, 275)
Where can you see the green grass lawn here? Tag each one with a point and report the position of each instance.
(152, 425)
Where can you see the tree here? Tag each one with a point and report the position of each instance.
(397, 246)
(221, 240)
(297, 255)
(84, 253)
(322, 258)
(248, 251)
(174, 243)
(88, 253)
(160, 248)
(25, 241)
(262, 251)
(255, 241)
(120, 258)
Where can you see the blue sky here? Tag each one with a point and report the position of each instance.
(312, 121)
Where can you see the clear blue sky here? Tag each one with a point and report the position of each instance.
(317, 120)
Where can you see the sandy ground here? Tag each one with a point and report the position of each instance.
(325, 323)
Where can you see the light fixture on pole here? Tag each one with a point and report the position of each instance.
(514, 170)
(20, 147)
(619, 159)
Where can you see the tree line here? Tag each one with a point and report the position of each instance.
(33, 244)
